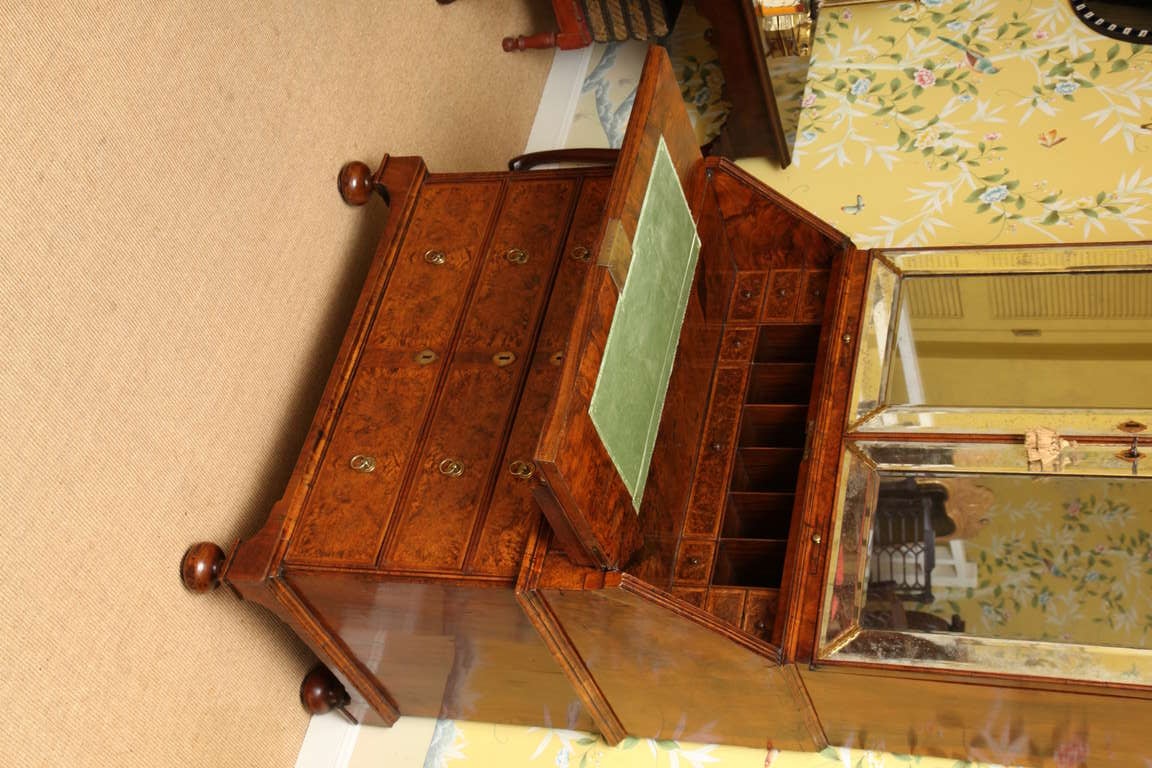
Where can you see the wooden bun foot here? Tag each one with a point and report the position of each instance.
(355, 183)
(201, 566)
(321, 692)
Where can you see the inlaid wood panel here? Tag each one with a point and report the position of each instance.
(710, 488)
(766, 230)
(507, 521)
(393, 388)
(782, 294)
(747, 296)
(468, 427)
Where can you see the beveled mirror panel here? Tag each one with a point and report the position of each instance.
(1006, 341)
(990, 569)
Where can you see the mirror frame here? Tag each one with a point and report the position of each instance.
(869, 410)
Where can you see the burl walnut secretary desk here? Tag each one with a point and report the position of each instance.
(647, 449)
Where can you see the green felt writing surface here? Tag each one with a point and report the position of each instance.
(641, 348)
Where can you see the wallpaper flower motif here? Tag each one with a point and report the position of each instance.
(484, 745)
(971, 122)
(1058, 562)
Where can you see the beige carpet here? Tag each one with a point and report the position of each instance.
(175, 271)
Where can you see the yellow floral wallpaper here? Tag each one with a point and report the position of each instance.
(971, 122)
(446, 743)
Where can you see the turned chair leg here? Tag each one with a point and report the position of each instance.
(522, 42)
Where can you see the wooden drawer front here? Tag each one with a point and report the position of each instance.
(760, 612)
(710, 487)
(782, 295)
(694, 563)
(453, 478)
(727, 604)
(747, 295)
(737, 346)
(388, 399)
(691, 595)
(813, 295)
(513, 511)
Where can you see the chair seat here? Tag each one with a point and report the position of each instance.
(612, 21)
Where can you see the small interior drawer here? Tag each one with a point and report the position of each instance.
(727, 604)
(760, 608)
(694, 562)
(813, 295)
(747, 295)
(782, 294)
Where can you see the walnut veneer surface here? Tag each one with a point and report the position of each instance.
(454, 541)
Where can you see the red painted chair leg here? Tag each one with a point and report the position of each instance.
(539, 40)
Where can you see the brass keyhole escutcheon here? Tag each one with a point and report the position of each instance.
(451, 467)
(434, 257)
(522, 469)
(516, 255)
(503, 358)
(424, 356)
(557, 358)
(580, 253)
(362, 463)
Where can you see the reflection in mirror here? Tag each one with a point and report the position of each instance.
(1054, 558)
(786, 28)
(1026, 574)
(1006, 341)
(1023, 341)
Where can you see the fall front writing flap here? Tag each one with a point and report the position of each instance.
(599, 453)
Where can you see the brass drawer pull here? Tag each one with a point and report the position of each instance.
(424, 356)
(362, 463)
(694, 561)
(504, 358)
(434, 257)
(557, 358)
(522, 469)
(580, 253)
(451, 467)
(516, 255)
